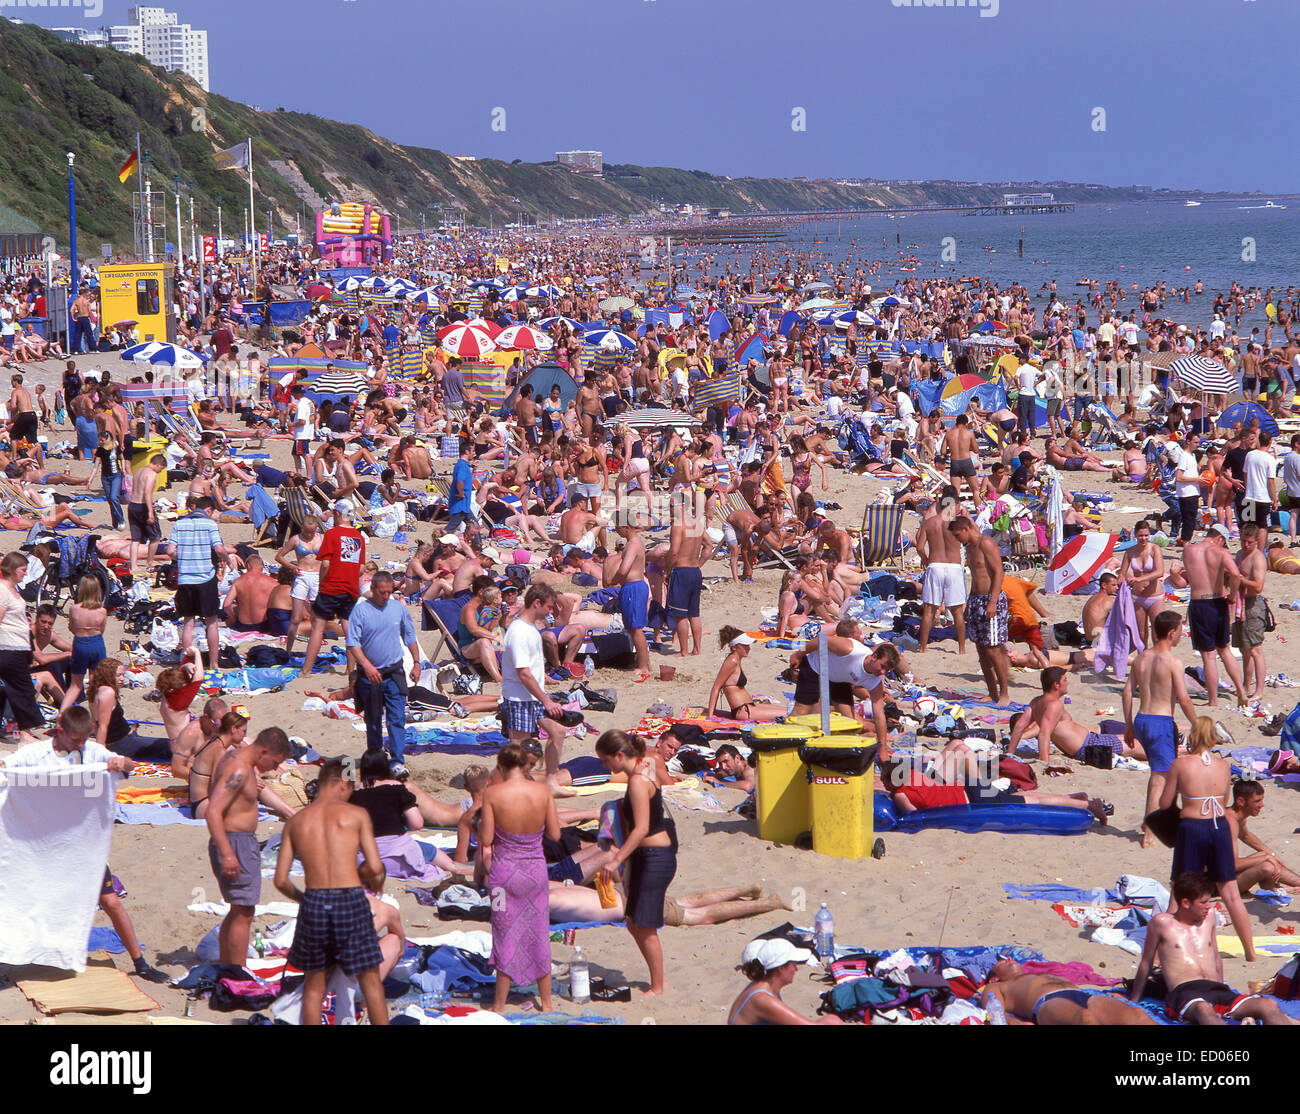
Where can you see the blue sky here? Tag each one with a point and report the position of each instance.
(1195, 92)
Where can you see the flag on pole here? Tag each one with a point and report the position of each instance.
(128, 168)
(236, 157)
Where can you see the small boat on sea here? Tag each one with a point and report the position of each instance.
(1191, 204)
(1266, 205)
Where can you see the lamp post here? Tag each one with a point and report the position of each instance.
(194, 247)
(180, 238)
(72, 232)
(218, 226)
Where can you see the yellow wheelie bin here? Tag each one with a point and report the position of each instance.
(840, 784)
(145, 451)
(781, 787)
(839, 725)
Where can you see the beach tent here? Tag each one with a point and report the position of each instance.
(789, 319)
(542, 378)
(672, 316)
(717, 324)
(751, 348)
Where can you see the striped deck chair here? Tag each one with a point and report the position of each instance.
(349, 300)
(12, 493)
(880, 542)
(429, 337)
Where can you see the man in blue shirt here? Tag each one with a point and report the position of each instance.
(378, 628)
(195, 538)
(460, 506)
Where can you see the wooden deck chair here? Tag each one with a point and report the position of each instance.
(13, 493)
(880, 542)
(441, 616)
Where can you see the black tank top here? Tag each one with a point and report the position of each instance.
(658, 821)
(118, 728)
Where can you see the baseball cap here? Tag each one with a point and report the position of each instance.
(1220, 529)
(344, 508)
(449, 539)
(491, 554)
(742, 640)
(774, 953)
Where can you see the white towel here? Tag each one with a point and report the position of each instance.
(56, 826)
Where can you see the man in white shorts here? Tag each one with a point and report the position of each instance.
(944, 583)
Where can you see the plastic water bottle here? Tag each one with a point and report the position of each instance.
(588, 667)
(579, 978)
(997, 1015)
(825, 934)
(259, 945)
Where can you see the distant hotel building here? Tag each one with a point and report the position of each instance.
(584, 162)
(157, 34)
(84, 36)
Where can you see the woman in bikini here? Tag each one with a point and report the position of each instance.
(1134, 468)
(87, 618)
(230, 734)
(305, 545)
(771, 966)
(802, 463)
(731, 683)
(1143, 569)
(1204, 843)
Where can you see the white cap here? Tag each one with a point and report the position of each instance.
(491, 554)
(742, 640)
(774, 953)
(449, 539)
(713, 534)
(344, 508)
(1220, 529)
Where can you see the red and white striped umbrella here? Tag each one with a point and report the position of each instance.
(466, 341)
(484, 326)
(523, 336)
(1078, 561)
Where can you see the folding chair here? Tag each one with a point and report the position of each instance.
(880, 541)
(442, 617)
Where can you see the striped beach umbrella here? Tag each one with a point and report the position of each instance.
(610, 340)
(164, 355)
(340, 383)
(1078, 561)
(523, 336)
(1203, 374)
(466, 340)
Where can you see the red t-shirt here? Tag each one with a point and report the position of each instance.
(345, 550)
(180, 699)
(924, 793)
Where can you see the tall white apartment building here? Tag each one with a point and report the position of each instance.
(164, 41)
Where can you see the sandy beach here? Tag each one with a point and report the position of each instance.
(933, 887)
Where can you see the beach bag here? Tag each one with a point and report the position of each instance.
(1098, 755)
(267, 657)
(598, 699)
(1286, 983)
(1164, 824)
(233, 993)
(858, 997)
(164, 635)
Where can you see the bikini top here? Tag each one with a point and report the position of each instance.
(1211, 807)
(757, 990)
(1148, 566)
(302, 549)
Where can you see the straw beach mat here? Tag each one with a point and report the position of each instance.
(94, 990)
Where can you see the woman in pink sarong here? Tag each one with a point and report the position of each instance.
(516, 813)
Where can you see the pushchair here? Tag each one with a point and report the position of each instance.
(74, 558)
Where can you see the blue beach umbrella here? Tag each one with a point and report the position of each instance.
(164, 355)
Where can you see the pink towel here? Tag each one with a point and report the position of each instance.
(1079, 973)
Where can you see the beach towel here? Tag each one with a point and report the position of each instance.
(154, 815)
(153, 794)
(1048, 891)
(56, 826)
(1119, 637)
(92, 990)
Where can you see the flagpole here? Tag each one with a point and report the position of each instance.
(139, 181)
(253, 221)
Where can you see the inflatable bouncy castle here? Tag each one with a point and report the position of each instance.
(353, 234)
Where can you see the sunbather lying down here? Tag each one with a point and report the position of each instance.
(1052, 1000)
(571, 902)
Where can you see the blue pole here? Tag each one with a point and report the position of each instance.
(72, 232)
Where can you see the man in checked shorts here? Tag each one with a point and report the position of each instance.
(335, 925)
(986, 609)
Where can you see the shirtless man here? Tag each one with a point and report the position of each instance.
(232, 827)
(963, 456)
(1158, 675)
(688, 548)
(581, 528)
(944, 582)
(141, 518)
(1210, 571)
(525, 414)
(333, 473)
(336, 924)
(633, 590)
(1048, 715)
(1263, 867)
(190, 739)
(1184, 943)
(987, 613)
(411, 460)
(738, 533)
(1096, 612)
(23, 420)
(245, 603)
(1252, 570)
(590, 411)
(1053, 1000)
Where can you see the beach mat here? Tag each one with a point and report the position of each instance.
(94, 990)
(1287, 946)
